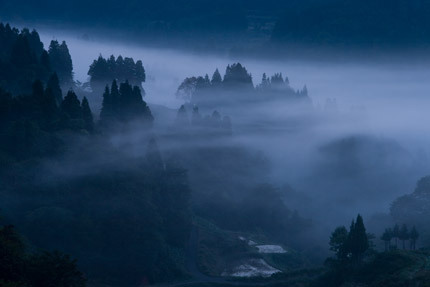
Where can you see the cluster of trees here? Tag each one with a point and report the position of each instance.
(23, 60)
(400, 233)
(21, 268)
(61, 62)
(29, 122)
(414, 209)
(128, 224)
(183, 120)
(124, 104)
(235, 86)
(126, 221)
(102, 71)
(350, 246)
(277, 86)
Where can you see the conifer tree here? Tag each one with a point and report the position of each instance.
(216, 78)
(115, 99)
(49, 109)
(22, 56)
(71, 106)
(337, 242)
(182, 117)
(45, 62)
(87, 115)
(360, 241)
(404, 235)
(386, 237)
(61, 62)
(54, 86)
(414, 237)
(396, 232)
(106, 113)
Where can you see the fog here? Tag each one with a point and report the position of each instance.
(382, 105)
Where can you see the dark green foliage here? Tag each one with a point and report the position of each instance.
(216, 78)
(71, 106)
(61, 62)
(23, 60)
(350, 247)
(400, 233)
(414, 235)
(124, 222)
(87, 115)
(390, 268)
(337, 242)
(386, 237)
(54, 270)
(12, 256)
(54, 86)
(123, 105)
(22, 56)
(103, 71)
(29, 123)
(236, 76)
(413, 209)
(404, 234)
(357, 242)
(18, 268)
(237, 86)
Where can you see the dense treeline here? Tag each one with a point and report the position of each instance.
(400, 233)
(68, 188)
(202, 122)
(102, 71)
(237, 87)
(414, 210)
(24, 60)
(124, 104)
(18, 267)
(358, 263)
(30, 123)
(135, 217)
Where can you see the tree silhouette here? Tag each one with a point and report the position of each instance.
(236, 76)
(61, 62)
(71, 106)
(216, 78)
(196, 117)
(22, 56)
(337, 242)
(414, 235)
(396, 233)
(182, 117)
(87, 115)
(386, 237)
(54, 86)
(357, 242)
(124, 104)
(404, 235)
